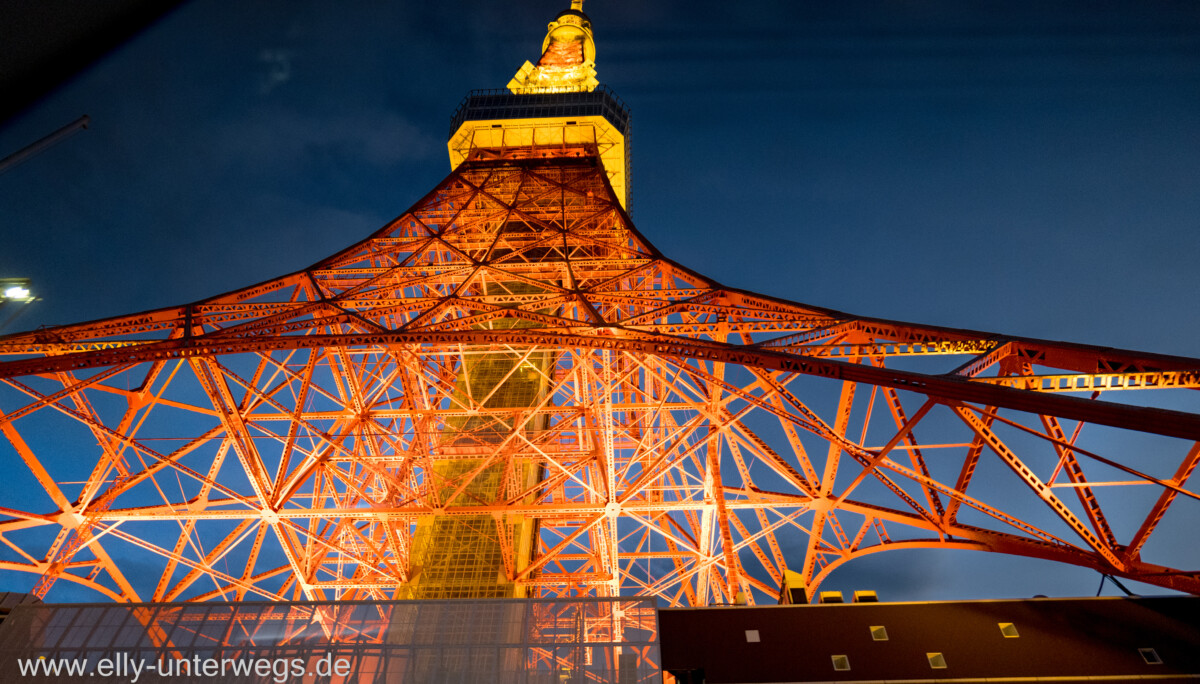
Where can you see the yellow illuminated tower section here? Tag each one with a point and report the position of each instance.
(554, 108)
(551, 109)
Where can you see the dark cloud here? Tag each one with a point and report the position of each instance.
(277, 68)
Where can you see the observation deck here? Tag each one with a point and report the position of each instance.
(497, 104)
(562, 121)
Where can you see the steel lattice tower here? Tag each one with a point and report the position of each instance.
(508, 391)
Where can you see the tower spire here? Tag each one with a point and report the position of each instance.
(568, 61)
(555, 108)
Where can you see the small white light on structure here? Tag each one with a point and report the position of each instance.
(830, 597)
(866, 596)
(16, 292)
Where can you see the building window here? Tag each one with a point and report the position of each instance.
(841, 663)
(937, 661)
(830, 597)
(1150, 656)
(879, 633)
(752, 636)
(1009, 630)
(866, 596)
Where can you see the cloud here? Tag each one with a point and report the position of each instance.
(278, 68)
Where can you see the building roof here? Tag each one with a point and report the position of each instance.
(976, 639)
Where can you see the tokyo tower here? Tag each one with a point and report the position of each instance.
(508, 391)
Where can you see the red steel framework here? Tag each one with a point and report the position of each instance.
(508, 391)
(282, 440)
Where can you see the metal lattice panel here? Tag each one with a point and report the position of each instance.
(466, 642)
(510, 382)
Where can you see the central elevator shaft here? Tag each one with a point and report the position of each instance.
(551, 109)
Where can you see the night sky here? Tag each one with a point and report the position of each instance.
(1030, 168)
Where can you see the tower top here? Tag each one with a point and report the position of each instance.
(555, 108)
(568, 61)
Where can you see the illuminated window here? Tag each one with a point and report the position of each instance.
(879, 633)
(865, 596)
(1009, 630)
(937, 661)
(830, 597)
(841, 662)
(752, 636)
(1150, 656)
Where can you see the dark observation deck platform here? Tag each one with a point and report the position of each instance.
(500, 103)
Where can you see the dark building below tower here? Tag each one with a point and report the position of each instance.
(1060, 640)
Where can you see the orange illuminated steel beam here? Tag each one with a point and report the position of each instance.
(512, 365)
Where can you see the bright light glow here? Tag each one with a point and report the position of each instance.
(16, 292)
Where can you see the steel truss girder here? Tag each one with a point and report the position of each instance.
(685, 435)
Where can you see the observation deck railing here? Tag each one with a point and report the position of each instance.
(501, 103)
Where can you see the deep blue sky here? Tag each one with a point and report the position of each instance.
(1022, 167)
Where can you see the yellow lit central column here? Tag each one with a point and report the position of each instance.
(551, 109)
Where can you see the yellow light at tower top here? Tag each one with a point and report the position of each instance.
(552, 108)
(568, 61)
